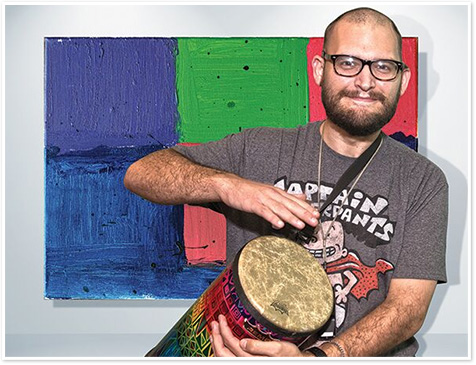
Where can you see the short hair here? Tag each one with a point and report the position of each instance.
(365, 15)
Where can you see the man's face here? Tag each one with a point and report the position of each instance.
(361, 105)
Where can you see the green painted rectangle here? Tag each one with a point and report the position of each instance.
(225, 85)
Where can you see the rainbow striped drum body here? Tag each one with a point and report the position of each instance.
(273, 290)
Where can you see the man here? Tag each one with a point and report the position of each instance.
(394, 218)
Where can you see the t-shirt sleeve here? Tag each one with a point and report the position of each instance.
(423, 255)
(227, 154)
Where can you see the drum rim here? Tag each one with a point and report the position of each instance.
(251, 308)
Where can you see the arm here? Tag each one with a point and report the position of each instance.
(167, 177)
(398, 318)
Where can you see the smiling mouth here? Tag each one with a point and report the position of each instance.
(318, 253)
(363, 100)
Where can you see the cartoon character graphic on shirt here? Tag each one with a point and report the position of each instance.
(347, 274)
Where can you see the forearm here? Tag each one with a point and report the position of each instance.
(398, 318)
(377, 333)
(167, 177)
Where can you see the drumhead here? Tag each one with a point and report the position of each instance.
(284, 285)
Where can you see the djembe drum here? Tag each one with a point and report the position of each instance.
(273, 290)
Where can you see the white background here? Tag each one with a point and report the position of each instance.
(38, 327)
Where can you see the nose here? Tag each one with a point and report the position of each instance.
(365, 80)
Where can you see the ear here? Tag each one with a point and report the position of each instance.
(406, 75)
(318, 68)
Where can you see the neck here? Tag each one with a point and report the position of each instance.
(344, 143)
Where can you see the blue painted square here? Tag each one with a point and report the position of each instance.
(110, 101)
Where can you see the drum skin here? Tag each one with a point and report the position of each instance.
(273, 290)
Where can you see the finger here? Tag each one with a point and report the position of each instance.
(270, 348)
(277, 214)
(300, 209)
(301, 200)
(300, 196)
(304, 207)
(287, 216)
(292, 213)
(266, 213)
(230, 341)
(219, 349)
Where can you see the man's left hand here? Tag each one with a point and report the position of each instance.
(225, 344)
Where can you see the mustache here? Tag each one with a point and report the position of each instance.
(355, 94)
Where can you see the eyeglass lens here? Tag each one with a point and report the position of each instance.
(351, 66)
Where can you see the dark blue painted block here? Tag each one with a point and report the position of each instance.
(110, 91)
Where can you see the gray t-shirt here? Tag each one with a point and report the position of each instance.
(393, 224)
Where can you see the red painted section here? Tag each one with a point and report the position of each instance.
(204, 234)
(316, 110)
(406, 117)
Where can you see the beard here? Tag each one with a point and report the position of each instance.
(358, 122)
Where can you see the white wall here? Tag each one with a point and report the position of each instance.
(444, 135)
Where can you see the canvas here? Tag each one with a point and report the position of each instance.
(110, 101)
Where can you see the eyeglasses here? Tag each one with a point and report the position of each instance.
(350, 66)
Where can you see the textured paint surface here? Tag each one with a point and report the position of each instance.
(110, 91)
(110, 101)
(204, 236)
(225, 85)
(403, 126)
(102, 241)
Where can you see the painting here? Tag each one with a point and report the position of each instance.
(111, 101)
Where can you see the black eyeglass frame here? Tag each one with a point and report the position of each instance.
(332, 57)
